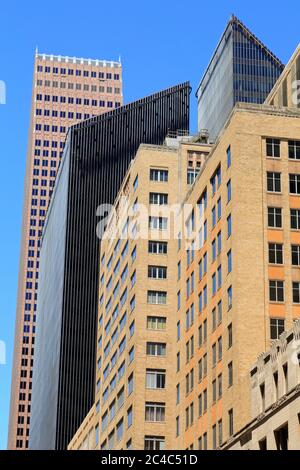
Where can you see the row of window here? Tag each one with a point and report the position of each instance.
(79, 101)
(273, 149)
(78, 72)
(274, 182)
(78, 86)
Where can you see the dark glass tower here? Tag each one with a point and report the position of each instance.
(96, 157)
(241, 69)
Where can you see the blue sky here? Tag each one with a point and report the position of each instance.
(161, 43)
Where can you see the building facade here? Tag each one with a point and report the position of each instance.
(242, 69)
(274, 383)
(97, 155)
(232, 277)
(65, 90)
(136, 339)
(240, 289)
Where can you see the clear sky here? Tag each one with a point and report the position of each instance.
(161, 43)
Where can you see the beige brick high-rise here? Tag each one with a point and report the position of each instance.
(229, 287)
(65, 90)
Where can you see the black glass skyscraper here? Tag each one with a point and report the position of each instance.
(96, 157)
(241, 69)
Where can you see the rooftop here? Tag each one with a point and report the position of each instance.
(77, 60)
(225, 35)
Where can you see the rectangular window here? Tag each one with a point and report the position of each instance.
(296, 292)
(273, 182)
(294, 184)
(158, 175)
(229, 297)
(273, 148)
(230, 422)
(157, 272)
(229, 191)
(229, 157)
(296, 255)
(155, 379)
(276, 291)
(229, 332)
(156, 349)
(156, 323)
(157, 248)
(154, 443)
(155, 412)
(229, 226)
(275, 253)
(229, 261)
(160, 199)
(158, 223)
(294, 149)
(295, 219)
(274, 217)
(157, 297)
(230, 374)
(276, 327)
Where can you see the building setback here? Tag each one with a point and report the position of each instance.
(242, 69)
(65, 90)
(97, 154)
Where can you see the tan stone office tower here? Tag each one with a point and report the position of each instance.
(184, 316)
(65, 90)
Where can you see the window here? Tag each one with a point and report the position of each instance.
(214, 437)
(296, 292)
(157, 272)
(135, 183)
(229, 226)
(219, 208)
(129, 417)
(157, 248)
(154, 443)
(213, 217)
(295, 219)
(275, 253)
(229, 297)
(229, 333)
(130, 384)
(220, 432)
(229, 261)
(296, 255)
(157, 297)
(276, 291)
(159, 199)
(273, 182)
(294, 184)
(294, 149)
(273, 148)
(230, 422)
(274, 217)
(156, 323)
(158, 175)
(155, 412)
(156, 349)
(276, 327)
(230, 374)
(155, 379)
(229, 191)
(158, 223)
(220, 386)
(282, 438)
(229, 157)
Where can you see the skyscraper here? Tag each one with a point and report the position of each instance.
(241, 69)
(96, 157)
(65, 90)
